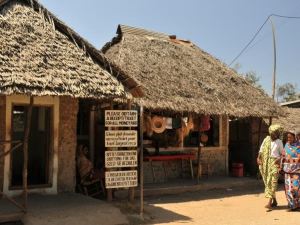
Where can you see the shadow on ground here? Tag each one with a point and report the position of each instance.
(167, 216)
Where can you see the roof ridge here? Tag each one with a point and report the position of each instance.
(125, 29)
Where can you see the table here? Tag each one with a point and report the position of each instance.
(187, 156)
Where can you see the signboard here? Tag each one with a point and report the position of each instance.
(121, 118)
(120, 138)
(114, 159)
(121, 179)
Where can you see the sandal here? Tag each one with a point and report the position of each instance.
(274, 204)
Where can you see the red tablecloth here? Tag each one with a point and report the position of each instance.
(169, 157)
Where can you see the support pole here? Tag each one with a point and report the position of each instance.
(274, 59)
(274, 66)
(92, 134)
(141, 163)
(25, 152)
(199, 154)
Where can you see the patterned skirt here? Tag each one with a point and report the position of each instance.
(292, 184)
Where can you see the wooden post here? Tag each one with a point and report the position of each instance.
(131, 189)
(199, 154)
(259, 132)
(25, 152)
(258, 144)
(141, 163)
(92, 135)
(227, 144)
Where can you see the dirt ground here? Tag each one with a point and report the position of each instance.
(67, 209)
(222, 207)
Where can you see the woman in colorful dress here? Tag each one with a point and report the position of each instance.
(269, 162)
(291, 168)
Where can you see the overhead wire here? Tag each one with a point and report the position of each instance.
(258, 31)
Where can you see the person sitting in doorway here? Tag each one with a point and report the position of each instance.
(85, 167)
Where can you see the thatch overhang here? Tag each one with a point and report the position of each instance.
(179, 78)
(40, 55)
(290, 120)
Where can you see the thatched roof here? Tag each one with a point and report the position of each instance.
(40, 55)
(179, 77)
(291, 120)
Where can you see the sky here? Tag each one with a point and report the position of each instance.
(220, 27)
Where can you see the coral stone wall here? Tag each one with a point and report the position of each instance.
(68, 109)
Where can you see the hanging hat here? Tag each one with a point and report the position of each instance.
(158, 124)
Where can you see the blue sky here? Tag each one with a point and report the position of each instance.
(220, 27)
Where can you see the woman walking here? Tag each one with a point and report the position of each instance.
(269, 160)
(291, 168)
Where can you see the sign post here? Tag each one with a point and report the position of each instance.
(120, 158)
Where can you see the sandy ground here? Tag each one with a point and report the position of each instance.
(221, 207)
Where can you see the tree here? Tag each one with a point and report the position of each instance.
(287, 92)
(253, 79)
(250, 76)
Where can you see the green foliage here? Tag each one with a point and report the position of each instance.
(253, 79)
(287, 92)
(250, 76)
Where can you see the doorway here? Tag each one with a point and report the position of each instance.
(240, 146)
(38, 145)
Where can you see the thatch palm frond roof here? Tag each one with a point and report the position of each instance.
(291, 119)
(177, 76)
(40, 55)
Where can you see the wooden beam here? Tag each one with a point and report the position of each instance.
(11, 200)
(25, 152)
(199, 154)
(12, 149)
(11, 217)
(9, 142)
(141, 163)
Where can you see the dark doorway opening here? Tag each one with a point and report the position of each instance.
(240, 144)
(38, 146)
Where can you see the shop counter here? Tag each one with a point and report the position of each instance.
(182, 156)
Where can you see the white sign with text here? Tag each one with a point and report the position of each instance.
(121, 179)
(121, 118)
(120, 138)
(114, 159)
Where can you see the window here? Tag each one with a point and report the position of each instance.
(38, 146)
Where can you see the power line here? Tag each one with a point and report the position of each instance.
(258, 31)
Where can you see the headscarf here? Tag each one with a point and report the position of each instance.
(275, 128)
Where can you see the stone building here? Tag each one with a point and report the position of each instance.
(43, 59)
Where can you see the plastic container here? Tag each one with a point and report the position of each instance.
(237, 169)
